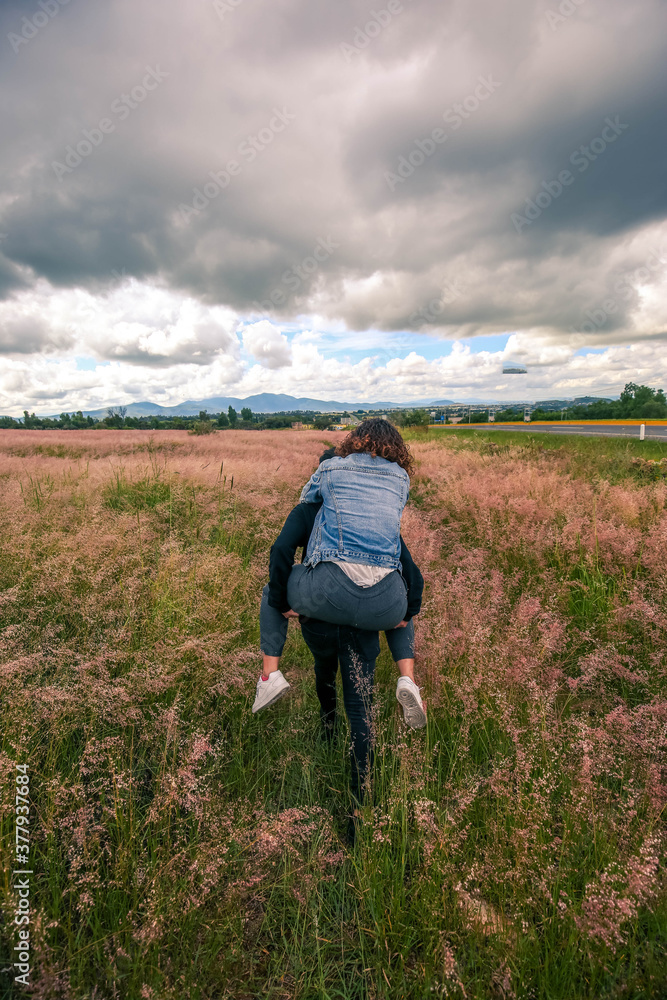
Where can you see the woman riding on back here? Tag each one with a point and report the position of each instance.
(352, 571)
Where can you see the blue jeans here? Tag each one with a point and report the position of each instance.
(273, 625)
(356, 650)
(326, 593)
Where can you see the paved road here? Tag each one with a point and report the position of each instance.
(653, 433)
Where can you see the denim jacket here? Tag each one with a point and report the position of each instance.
(363, 497)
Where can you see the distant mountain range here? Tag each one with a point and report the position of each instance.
(263, 402)
(551, 404)
(271, 402)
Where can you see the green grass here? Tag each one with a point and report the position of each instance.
(584, 457)
(222, 872)
(380, 926)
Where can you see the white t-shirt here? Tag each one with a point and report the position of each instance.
(362, 574)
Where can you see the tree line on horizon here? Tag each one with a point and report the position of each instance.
(117, 419)
(635, 402)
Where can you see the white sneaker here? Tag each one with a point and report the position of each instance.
(407, 693)
(269, 691)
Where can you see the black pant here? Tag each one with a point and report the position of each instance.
(356, 650)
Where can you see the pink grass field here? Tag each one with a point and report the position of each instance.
(131, 565)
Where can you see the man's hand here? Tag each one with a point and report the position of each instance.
(401, 625)
(294, 614)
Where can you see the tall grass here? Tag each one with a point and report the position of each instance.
(585, 457)
(184, 848)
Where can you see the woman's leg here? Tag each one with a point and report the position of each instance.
(273, 631)
(272, 634)
(401, 642)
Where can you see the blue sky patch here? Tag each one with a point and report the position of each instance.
(86, 364)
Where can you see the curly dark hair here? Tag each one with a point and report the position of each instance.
(378, 437)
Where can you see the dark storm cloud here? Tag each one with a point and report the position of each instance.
(302, 111)
(29, 335)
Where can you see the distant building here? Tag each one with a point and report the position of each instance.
(297, 425)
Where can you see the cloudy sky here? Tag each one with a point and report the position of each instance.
(355, 201)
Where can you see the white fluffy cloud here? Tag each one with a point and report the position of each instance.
(264, 342)
(135, 322)
(49, 385)
(72, 349)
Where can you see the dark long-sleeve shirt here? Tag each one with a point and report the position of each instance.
(295, 534)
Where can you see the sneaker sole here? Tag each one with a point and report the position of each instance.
(273, 700)
(413, 713)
